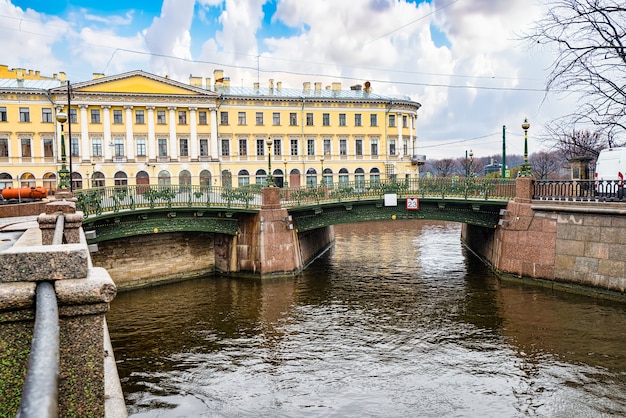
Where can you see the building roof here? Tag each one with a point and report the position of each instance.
(11, 83)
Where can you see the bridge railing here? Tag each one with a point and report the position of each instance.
(441, 188)
(115, 198)
(579, 190)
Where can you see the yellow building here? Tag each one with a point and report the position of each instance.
(139, 128)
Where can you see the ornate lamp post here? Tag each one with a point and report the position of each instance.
(285, 181)
(270, 178)
(526, 168)
(64, 174)
(471, 163)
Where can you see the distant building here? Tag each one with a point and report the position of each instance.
(140, 128)
(493, 167)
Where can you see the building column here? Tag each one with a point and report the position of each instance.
(151, 135)
(400, 144)
(214, 145)
(84, 132)
(106, 140)
(130, 141)
(172, 126)
(193, 129)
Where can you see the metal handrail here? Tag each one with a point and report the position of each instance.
(41, 386)
(580, 190)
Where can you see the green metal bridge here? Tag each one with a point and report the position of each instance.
(121, 211)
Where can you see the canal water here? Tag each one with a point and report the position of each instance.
(397, 320)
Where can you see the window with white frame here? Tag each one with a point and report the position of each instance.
(4, 147)
(343, 147)
(24, 114)
(276, 118)
(182, 117)
(162, 147)
(260, 147)
(96, 147)
(243, 146)
(325, 119)
(293, 147)
(327, 146)
(46, 115)
(26, 148)
(293, 119)
(374, 147)
(358, 147)
(241, 118)
(392, 120)
(204, 147)
(202, 118)
(310, 146)
(142, 150)
(309, 119)
(3, 114)
(183, 147)
(357, 119)
(161, 117)
(259, 118)
(342, 119)
(117, 116)
(139, 117)
(95, 115)
(225, 147)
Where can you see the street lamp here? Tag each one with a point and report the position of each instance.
(285, 181)
(471, 163)
(270, 178)
(64, 173)
(526, 168)
(322, 179)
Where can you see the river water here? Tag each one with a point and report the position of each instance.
(397, 320)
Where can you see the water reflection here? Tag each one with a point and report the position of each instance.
(396, 320)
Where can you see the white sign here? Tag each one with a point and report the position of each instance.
(391, 199)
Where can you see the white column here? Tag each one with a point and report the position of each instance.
(172, 121)
(106, 140)
(400, 144)
(214, 147)
(151, 136)
(84, 132)
(130, 141)
(193, 130)
(414, 135)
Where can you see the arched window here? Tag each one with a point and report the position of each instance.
(327, 177)
(227, 178)
(243, 178)
(142, 180)
(49, 182)
(374, 175)
(27, 180)
(260, 177)
(7, 181)
(359, 180)
(278, 178)
(344, 177)
(184, 180)
(164, 178)
(120, 178)
(77, 181)
(205, 178)
(311, 178)
(97, 179)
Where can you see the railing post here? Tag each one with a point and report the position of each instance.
(524, 189)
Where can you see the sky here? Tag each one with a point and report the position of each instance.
(463, 60)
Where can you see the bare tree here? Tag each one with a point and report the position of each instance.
(545, 164)
(572, 144)
(445, 167)
(590, 39)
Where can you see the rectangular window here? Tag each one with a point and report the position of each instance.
(293, 119)
(392, 120)
(357, 119)
(139, 117)
(392, 147)
(46, 115)
(3, 114)
(183, 147)
(162, 145)
(343, 147)
(309, 119)
(118, 146)
(161, 117)
(95, 115)
(260, 147)
(74, 147)
(275, 118)
(259, 118)
(277, 147)
(342, 119)
(96, 147)
(326, 146)
(294, 147)
(325, 119)
(73, 116)
(141, 147)
(204, 147)
(4, 147)
(48, 148)
(405, 121)
(373, 119)
(374, 147)
(182, 117)
(358, 147)
(223, 118)
(310, 147)
(241, 118)
(24, 114)
(225, 147)
(243, 147)
(202, 120)
(117, 116)
(26, 150)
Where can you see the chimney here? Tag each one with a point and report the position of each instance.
(368, 87)
(218, 75)
(19, 74)
(226, 82)
(306, 86)
(318, 86)
(271, 83)
(30, 73)
(96, 76)
(207, 83)
(62, 77)
(356, 87)
(279, 84)
(336, 86)
(195, 81)
(256, 86)
(37, 74)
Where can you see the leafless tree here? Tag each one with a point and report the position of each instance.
(445, 167)
(572, 144)
(590, 41)
(545, 164)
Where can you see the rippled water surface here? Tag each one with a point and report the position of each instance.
(396, 320)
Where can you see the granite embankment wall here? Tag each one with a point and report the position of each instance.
(582, 243)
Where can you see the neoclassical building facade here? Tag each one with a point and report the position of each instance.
(138, 128)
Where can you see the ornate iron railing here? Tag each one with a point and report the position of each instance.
(580, 190)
